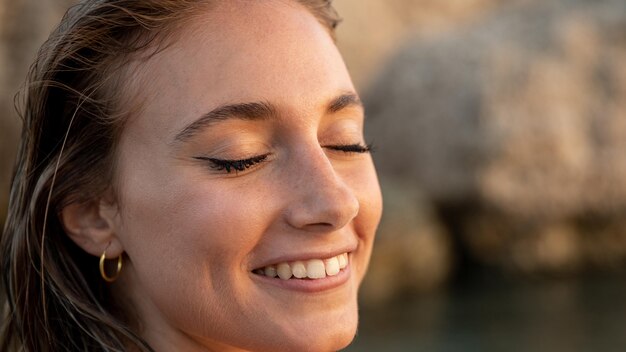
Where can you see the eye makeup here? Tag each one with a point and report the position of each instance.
(233, 165)
(351, 148)
(239, 165)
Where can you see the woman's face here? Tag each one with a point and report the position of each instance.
(247, 159)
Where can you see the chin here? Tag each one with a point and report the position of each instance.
(322, 333)
(327, 335)
(321, 341)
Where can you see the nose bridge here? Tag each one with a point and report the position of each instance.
(322, 198)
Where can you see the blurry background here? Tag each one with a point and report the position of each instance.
(500, 128)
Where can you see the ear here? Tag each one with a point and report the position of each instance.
(92, 226)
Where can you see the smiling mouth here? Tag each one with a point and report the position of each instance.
(312, 269)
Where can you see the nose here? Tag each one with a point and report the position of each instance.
(321, 200)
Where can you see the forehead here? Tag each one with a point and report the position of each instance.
(240, 51)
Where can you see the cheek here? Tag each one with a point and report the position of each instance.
(363, 182)
(184, 234)
(185, 221)
(367, 189)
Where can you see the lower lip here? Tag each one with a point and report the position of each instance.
(308, 285)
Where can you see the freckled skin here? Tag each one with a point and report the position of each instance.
(193, 233)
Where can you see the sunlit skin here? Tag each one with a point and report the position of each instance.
(193, 233)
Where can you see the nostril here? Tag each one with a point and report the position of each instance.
(321, 226)
(325, 224)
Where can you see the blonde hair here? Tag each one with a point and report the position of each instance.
(73, 112)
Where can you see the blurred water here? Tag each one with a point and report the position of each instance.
(556, 316)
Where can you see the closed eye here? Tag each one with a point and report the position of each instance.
(240, 165)
(351, 148)
(232, 165)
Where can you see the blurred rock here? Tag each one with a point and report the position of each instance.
(515, 129)
(373, 28)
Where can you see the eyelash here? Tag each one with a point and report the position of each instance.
(244, 164)
(233, 165)
(351, 148)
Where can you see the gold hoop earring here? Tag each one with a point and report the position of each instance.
(104, 274)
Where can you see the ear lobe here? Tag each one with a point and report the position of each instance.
(91, 225)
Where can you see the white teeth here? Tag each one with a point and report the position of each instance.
(332, 266)
(343, 260)
(270, 271)
(312, 269)
(315, 269)
(284, 271)
(298, 269)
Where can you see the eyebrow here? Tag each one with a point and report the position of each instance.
(344, 101)
(255, 111)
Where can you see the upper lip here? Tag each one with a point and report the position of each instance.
(303, 256)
